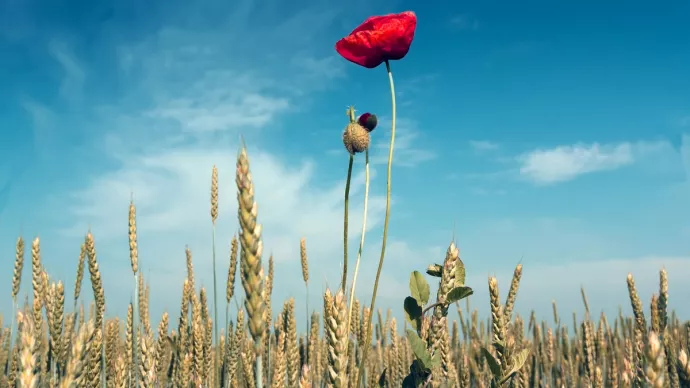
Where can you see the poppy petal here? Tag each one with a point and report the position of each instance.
(357, 51)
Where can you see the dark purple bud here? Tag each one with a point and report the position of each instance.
(368, 121)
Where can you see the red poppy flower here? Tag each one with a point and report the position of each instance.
(379, 39)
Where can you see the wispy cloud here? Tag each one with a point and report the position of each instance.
(170, 189)
(328, 67)
(464, 22)
(409, 149)
(684, 121)
(483, 145)
(74, 75)
(685, 153)
(162, 92)
(564, 163)
(221, 111)
(602, 280)
(188, 97)
(484, 191)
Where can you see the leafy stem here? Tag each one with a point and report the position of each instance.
(431, 306)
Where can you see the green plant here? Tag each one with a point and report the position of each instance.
(429, 339)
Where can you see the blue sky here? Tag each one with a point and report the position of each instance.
(554, 134)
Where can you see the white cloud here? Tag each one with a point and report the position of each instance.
(464, 22)
(564, 163)
(171, 191)
(74, 75)
(409, 149)
(187, 93)
(685, 153)
(483, 145)
(233, 109)
(604, 282)
(684, 121)
(200, 100)
(329, 67)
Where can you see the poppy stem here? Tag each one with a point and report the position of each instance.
(343, 282)
(361, 241)
(385, 229)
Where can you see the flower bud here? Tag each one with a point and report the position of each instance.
(368, 121)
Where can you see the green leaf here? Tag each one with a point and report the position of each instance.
(419, 349)
(435, 361)
(413, 312)
(419, 288)
(418, 346)
(518, 361)
(500, 346)
(458, 293)
(435, 270)
(493, 364)
(459, 273)
(382, 378)
(409, 382)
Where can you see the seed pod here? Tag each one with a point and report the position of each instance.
(355, 138)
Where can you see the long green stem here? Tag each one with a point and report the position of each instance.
(343, 283)
(385, 228)
(215, 306)
(361, 241)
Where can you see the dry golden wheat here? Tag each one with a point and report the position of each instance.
(55, 347)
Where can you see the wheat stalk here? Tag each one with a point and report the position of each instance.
(250, 260)
(214, 217)
(134, 262)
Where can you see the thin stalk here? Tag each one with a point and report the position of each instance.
(14, 316)
(347, 205)
(104, 360)
(385, 228)
(224, 374)
(258, 373)
(76, 313)
(269, 378)
(361, 241)
(135, 330)
(215, 305)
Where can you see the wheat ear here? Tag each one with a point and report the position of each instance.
(250, 260)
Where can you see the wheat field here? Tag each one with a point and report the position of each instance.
(49, 341)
